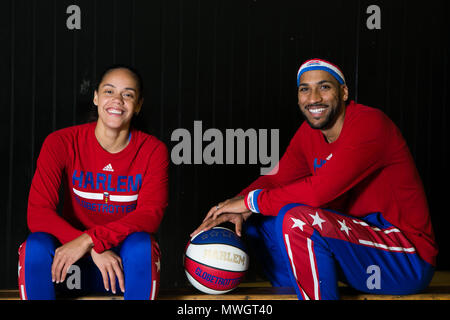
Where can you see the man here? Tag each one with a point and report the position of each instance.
(347, 202)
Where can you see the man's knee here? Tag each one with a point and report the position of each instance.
(294, 219)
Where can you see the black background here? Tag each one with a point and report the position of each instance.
(229, 63)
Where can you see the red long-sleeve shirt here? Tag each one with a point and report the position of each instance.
(368, 169)
(108, 196)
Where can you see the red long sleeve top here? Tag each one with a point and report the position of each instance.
(368, 169)
(108, 196)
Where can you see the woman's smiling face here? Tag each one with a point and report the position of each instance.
(118, 98)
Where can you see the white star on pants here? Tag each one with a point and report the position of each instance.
(344, 226)
(317, 220)
(298, 223)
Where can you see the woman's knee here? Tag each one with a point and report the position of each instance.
(141, 262)
(39, 248)
(138, 248)
(137, 243)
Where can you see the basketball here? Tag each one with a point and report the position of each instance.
(215, 261)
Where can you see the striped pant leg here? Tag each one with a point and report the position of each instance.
(34, 268)
(260, 235)
(141, 255)
(323, 246)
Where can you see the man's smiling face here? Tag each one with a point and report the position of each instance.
(321, 98)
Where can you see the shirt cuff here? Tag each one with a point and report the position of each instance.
(98, 245)
(251, 201)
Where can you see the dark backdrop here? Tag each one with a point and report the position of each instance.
(229, 63)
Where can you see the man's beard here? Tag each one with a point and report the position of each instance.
(329, 120)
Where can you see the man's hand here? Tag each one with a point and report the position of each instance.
(110, 266)
(232, 210)
(68, 254)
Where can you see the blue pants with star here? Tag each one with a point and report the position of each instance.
(312, 249)
(140, 259)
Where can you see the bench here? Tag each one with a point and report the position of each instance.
(439, 289)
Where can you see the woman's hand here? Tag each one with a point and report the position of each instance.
(232, 210)
(110, 266)
(68, 254)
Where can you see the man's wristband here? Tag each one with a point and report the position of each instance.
(251, 201)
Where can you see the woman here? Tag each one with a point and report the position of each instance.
(115, 182)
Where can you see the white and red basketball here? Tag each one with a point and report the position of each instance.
(215, 261)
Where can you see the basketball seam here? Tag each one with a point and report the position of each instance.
(222, 244)
(207, 285)
(203, 264)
